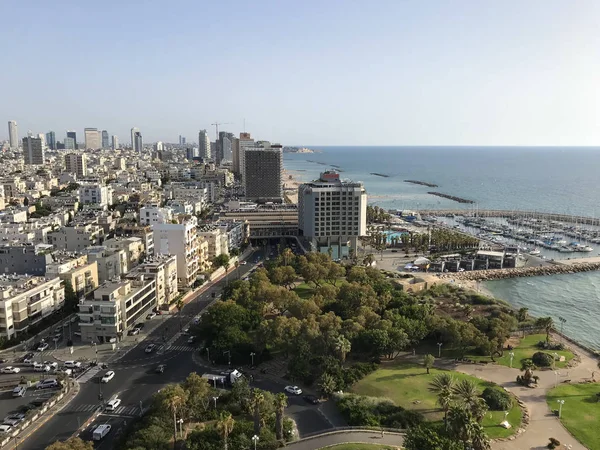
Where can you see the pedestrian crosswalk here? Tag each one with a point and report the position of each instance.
(180, 348)
(121, 410)
(87, 376)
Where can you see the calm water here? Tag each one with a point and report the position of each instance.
(563, 180)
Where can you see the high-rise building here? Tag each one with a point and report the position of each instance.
(105, 141)
(115, 142)
(182, 140)
(92, 139)
(159, 146)
(264, 166)
(33, 151)
(51, 140)
(72, 135)
(332, 214)
(42, 136)
(13, 135)
(76, 163)
(244, 141)
(224, 147)
(136, 140)
(204, 145)
(69, 144)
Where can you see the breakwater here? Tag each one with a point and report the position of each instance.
(451, 197)
(422, 183)
(380, 174)
(582, 220)
(499, 274)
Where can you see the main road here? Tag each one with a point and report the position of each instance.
(136, 381)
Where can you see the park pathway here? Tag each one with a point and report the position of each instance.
(347, 436)
(543, 424)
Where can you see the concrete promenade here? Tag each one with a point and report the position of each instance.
(394, 440)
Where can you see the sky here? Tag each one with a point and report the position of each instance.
(326, 72)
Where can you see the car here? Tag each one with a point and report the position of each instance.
(151, 316)
(186, 331)
(58, 330)
(41, 368)
(5, 428)
(67, 372)
(243, 263)
(39, 402)
(100, 431)
(191, 340)
(150, 348)
(139, 326)
(10, 369)
(14, 419)
(312, 399)
(161, 368)
(28, 356)
(53, 364)
(112, 340)
(42, 347)
(134, 332)
(19, 391)
(113, 404)
(108, 376)
(47, 384)
(72, 364)
(293, 390)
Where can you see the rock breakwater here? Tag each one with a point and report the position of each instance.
(500, 274)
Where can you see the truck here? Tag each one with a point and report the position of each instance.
(100, 432)
(224, 379)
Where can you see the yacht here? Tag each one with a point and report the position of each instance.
(535, 252)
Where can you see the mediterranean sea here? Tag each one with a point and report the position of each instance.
(546, 179)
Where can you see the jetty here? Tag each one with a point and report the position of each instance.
(451, 197)
(501, 274)
(380, 174)
(511, 214)
(422, 183)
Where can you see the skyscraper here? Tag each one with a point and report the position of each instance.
(224, 147)
(204, 145)
(51, 140)
(105, 142)
(13, 134)
(115, 142)
(92, 138)
(244, 141)
(72, 135)
(136, 140)
(33, 151)
(264, 166)
(69, 144)
(77, 164)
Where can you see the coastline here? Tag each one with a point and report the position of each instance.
(291, 180)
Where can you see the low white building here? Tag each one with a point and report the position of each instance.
(96, 194)
(153, 214)
(76, 238)
(218, 242)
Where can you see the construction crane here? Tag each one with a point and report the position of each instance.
(216, 124)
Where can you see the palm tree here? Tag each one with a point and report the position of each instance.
(287, 256)
(466, 391)
(342, 347)
(546, 323)
(443, 385)
(522, 314)
(175, 399)
(225, 426)
(428, 362)
(237, 266)
(479, 440)
(280, 404)
(256, 402)
(460, 424)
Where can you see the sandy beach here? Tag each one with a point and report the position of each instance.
(291, 180)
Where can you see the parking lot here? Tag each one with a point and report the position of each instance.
(33, 399)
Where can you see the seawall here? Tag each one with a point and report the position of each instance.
(583, 220)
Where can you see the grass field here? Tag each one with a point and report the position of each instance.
(361, 447)
(407, 386)
(580, 412)
(304, 290)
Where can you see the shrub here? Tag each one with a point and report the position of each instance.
(553, 443)
(368, 411)
(543, 345)
(496, 399)
(542, 359)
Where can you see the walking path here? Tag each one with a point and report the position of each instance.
(348, 436)
(543, 424)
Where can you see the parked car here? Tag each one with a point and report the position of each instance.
(19, 391)
(152, 315)
(113, 404)
(47, 384)
(150, 348)
(10, 369)
(139, 326)
(14, 419)
(53, 364)
(108, 376)
(72, 364)
(293, 390)
(68, 372)
(5, 428)
(312, 399)
(133, 332)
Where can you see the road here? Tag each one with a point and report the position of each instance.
(136, 381)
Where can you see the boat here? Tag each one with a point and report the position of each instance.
(587, 248)
(535, 252)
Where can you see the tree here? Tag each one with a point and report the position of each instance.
(153, 436)
(71, 444)
(426, 438)
(547, 324)
(443, 386)
(237, 267)
(467, 392)
(522, 314)
(221, 261)
(327, 384)
(174, 398)
(281, 402)
(428, 362)
(225, 426)
(256, 403)
(342, 347)
(199, 393)
(71, 299)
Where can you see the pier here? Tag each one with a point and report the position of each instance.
(583, 220)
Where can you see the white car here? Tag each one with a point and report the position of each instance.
(191, 340)
(113, 404)
(72, 364)
(42, 347)
(53, 364)
(150, 348)
(108, 376)
(10, 369)
(5, 428)
(67, 372)
(293, 390)
(41, 368)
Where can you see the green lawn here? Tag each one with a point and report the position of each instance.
(361, 447)
(304, 290)
(580, 412)
(407, 386)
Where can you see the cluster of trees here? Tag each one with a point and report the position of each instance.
(209, 424)
(375, 214)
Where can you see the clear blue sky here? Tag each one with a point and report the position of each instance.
(307, 72)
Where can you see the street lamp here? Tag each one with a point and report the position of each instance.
(505, 414)
(439, 349)
(180, 422)
(215, 381)
(512, 355)
(555, 378)
(215, 399)
(255, 440)
(560, 405)
(554, 356)
(228, 356)
(16, 442)
(252, 356)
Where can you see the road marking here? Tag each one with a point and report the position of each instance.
(87, 376)
(180, 348)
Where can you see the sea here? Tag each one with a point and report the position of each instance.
(545, 179)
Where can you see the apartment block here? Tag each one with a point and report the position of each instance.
(217, 240)
(76, 238)
(82, 275)
(154, 214)
(96, 194)
(112, 262)
(163, 268)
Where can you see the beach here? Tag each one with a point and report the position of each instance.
(291, 180)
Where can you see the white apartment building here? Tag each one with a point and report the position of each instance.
(82, 275)
(77, 164)
(153, 214)
(133, 246)
(163, 268)
(203, 145)
(96, 194)
(92, 138)
(116, 307)
(76, 238)
(112, 262)
(25, 300)
(181, 240)
(332, 213)
(218, 242)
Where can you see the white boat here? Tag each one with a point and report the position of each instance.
(587, 248)
(535, 252)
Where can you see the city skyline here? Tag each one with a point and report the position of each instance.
(396, 74)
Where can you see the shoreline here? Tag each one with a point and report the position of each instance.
(291, 180)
